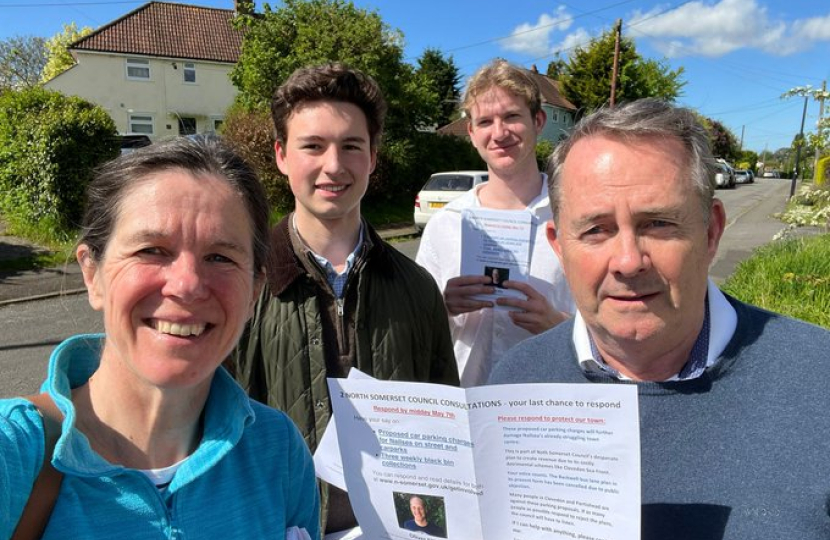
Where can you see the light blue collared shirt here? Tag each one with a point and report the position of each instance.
(722, 324)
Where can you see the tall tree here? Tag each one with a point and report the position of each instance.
(21, 60)
(441, 75)
(308, 32)
(724, 143)
(586, 78)
(556, 67)
(59, 57)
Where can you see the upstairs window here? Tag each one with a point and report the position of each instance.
(189, 72)
(138, 69)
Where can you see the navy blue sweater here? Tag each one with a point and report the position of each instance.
(743, 452)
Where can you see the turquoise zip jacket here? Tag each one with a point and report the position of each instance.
(250, 477)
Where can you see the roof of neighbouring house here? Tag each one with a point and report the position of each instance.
(169, 30)
(551, 92)
(551, 95)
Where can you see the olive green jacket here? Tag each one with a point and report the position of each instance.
(398, 324)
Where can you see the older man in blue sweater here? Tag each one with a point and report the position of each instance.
(734, 400)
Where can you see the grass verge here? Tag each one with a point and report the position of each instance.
(790, 276)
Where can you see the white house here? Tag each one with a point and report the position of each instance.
(161, 70)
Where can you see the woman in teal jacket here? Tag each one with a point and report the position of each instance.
(157, 440)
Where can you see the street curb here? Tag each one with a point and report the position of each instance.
(44, 296)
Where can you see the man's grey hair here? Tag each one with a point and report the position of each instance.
(651, 118)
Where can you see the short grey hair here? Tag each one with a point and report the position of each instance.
(643, 118)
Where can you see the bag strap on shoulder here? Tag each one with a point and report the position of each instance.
(48, 482)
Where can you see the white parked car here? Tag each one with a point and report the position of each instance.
(440, 189)
(724, 177)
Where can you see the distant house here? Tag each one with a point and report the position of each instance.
(560, 112)
(161, 70)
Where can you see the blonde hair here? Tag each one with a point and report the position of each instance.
(502, 74)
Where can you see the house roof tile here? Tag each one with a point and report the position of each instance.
(169, 30)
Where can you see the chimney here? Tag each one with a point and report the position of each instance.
(533, 68)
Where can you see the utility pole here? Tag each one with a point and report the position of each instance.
(742, 137)
(820, 117)
(617, 32)
(796, 167)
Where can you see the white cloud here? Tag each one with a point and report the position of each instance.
(534, 39)
(698, 28)
(816, 29)
(579, 38)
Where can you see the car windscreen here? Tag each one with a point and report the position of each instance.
(449, 182)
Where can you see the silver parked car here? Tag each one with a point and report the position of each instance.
(724, 177)
(440, 189)
(744, 176)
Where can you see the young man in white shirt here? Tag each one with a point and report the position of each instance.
(504, 108)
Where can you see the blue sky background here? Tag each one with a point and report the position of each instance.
(739, 56)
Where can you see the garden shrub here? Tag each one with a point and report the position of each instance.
(251, 133)
(544, 148)
(49, 145)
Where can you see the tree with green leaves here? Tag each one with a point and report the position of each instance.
(556, 68)
(747, 159)
(309, 32)
(441, 75)
(724, 143)
(21, 60)
(586, 77)
(59, 59)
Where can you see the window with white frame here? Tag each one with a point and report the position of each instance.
(138, 69)
(217, 122)
(189, 72)
(141, 124)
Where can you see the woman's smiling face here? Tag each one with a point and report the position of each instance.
(176, 282)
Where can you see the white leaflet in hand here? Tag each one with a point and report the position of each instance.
(327, 462)
(497, 244)
(531, 461)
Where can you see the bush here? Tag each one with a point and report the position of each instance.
(251, 133)
(49, 146)
(405, 165)
(544, 149)
(809, 207)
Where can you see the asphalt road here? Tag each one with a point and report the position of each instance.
(31, 330)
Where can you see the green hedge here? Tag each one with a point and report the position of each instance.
(49, 146)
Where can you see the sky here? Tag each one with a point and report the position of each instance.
(738, 56)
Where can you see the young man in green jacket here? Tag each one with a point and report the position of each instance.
(337, 295)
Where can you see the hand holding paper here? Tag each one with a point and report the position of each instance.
(534, 314)
(460, 294)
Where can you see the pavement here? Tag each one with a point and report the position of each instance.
(66, 279)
